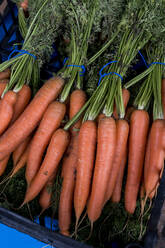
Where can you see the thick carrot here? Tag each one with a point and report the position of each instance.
(116, 195)
(106, 146)
(3, 164)
(163, 95)
(122, 131)
(68, 185)
(30, 118)
(139, 125)
(55, 151)
(156, 157)
(86, 156)
(126, 97)
(46, 194)
(7, 109)
(23, 99)
(50, 122)
(77, 100)
(5, 74)
(20, 150)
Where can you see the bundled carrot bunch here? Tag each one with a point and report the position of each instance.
(102, 134)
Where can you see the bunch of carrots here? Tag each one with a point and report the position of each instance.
(102, 134)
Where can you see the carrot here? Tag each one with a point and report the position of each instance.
(5, 74)
(163, 95)
(2, 86)
(23, 99)
(126, 97)
(5, 82)
(116, 195)
(106, 140)
(50, 122)
(30, 118)
(3, 164)
(122, 131)
(68, 185)
(20, 150)
(77, 100)
(7, 109)
(100, 116)
(55, 151)
(46, 194)
(86, 156)
(156, 157)
(139, 125)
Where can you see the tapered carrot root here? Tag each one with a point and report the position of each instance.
(5, 74)
(122, 130)
(139, 125)
(23, 98)
(55, 151)
(156, 157)
(163, 95)
(77, 101)
(7, 109)
(86, 155)
(30, 118)
(3, 165)
(106, 145)
(20, 150)
(126, 97)
(46, 194)
(116, 195)
(50, 122)
(68, 185)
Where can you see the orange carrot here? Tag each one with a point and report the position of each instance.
(2, 86)
(122, 131)
(3, 164)
(126, 97)
(23, 99)
(20, 150)
(163, 95)
(68, 185)
(30, 118)
(139, 125)
(106, 147)
(128, 114)
(116, 195)
(156, 157)
(46, 194)
(100, 116)
(50, 122)
(55, 151)
(86, 156)
(5, 74)
(7, 109)
(77, 100)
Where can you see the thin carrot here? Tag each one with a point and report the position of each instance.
(23, 99)
(55, 151)
(86, 156)
(122, 131)
(20, 150)
(156, 156)
(106, 146)
(30, 118)
(116, 195)
(139, 125)
(126, 97)
(7, 109)
(68, 185)
(163, 95)
(46, 194)
(5, 74)
(50, 122)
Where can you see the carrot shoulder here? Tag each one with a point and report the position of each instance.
(30, 118)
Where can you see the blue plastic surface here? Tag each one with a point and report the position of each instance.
(12, 238)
